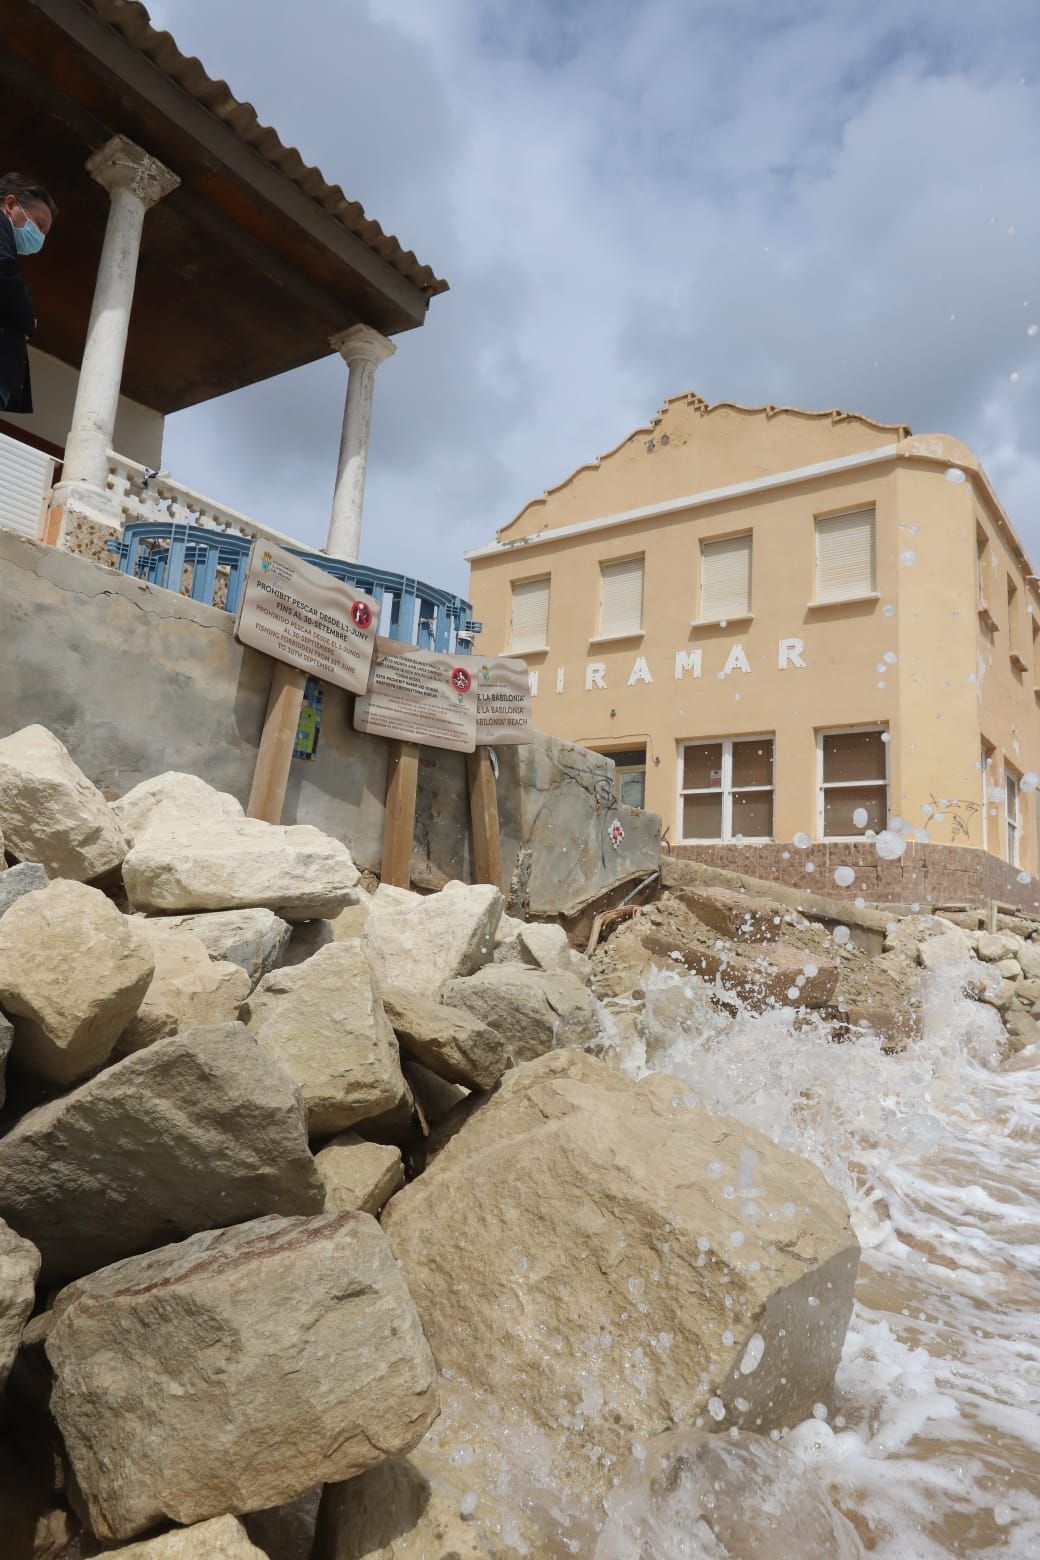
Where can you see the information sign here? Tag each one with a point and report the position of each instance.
(503, 700)
(422, 697)
(296, 613)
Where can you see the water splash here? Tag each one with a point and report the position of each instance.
(931, 1444)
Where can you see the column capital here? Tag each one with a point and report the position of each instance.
(362, 344)
(121, 165)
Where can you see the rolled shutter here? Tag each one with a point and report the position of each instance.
(621, 597)
(726, 578)
(845, 556)
(25, 476)
(530, 625)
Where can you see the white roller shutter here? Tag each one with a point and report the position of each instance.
(621, 597)
(530, 625)
(25, 476)
(845, 556)
(726, 578)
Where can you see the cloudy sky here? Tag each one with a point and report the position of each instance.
(815, 202)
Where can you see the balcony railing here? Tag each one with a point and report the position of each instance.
(182, 541)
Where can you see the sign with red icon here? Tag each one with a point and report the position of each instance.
(420, 696)
(295, 612)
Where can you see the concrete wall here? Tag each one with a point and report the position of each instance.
(136, 680)
(139, 430)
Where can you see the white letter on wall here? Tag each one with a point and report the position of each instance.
(687, 661)
(532, 683)
(736, 661)
(790, 653)
(559, 679)
(594, 675)
(640, 672)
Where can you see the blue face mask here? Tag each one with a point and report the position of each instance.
(28, 240)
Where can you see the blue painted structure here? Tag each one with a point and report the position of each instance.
(160, 551)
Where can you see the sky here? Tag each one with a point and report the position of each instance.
(815, 203)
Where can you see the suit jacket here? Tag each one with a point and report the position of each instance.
(17, 322)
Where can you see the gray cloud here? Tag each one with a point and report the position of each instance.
(807, 203)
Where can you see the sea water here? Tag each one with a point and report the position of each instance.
(930, 1441)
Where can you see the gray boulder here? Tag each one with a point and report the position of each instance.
(255, 940)
(237, 1370)
(25, 878)
(195, 1131)
(19, 1267)
(531, 1011)
(323, 1021)
(449, 1041)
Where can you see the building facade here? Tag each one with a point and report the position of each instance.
(793, 631)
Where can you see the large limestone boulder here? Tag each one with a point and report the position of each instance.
(359, 1176)
(598, 1257)
(530, 1010)
(25, 878)
(255, 940)
(448, 1041)
(51, 813)
(195, 851)
(323, 1021)
(73, 972)
(237, 1370)
(195, 1131)
(189, 989)
(419, 945)
(222, 1538)
(19, 1267)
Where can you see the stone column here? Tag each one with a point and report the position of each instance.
(134, 182)
(364, 350)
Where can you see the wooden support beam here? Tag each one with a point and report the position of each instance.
(399, 827)
(271, 775)
(483, 811)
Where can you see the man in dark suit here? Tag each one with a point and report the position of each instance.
(26, 215)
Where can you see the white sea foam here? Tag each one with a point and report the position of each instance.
(932, 1441)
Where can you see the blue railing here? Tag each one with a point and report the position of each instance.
(210, 566)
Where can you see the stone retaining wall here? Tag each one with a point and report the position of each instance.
(925, 875)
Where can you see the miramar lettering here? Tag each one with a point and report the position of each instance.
(790, 652)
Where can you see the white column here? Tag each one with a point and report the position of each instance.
(364, 350)
(134, 182)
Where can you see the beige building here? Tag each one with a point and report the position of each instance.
(792, 630)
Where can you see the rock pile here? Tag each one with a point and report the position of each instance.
(227, 1064)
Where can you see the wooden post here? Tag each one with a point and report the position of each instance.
(271, 775)
(399, 828)
(483, 811)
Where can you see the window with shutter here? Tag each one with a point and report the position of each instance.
(621, 597)
(530, 620)
(845, 565)
(726, 578)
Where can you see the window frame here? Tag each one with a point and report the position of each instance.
(530, 579)
(848, 785)
(725, 789)
(1012, 824)
(871, 593)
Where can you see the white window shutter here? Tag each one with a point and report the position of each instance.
(25, 476)
(845, 556)
(621, 597)
(530, 626)
(726, 578)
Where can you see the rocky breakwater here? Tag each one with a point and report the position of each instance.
(322, 1236)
